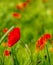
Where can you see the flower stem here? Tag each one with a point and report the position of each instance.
(6, 34)
(48, 55)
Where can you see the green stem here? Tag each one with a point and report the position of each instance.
(15, 60)
(37, 58)
(6, 34)
(48, 55)
(29, 52)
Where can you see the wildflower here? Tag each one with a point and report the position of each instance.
(13, 36)
(7, 52)
(16, 15)
(47, 36)
(40, 44)
(21, 6)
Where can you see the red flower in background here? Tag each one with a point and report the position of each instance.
(21, 6)
(6, 52)
(42, 41)
(13, 37)
(16, 15)
(24, 4)
(5, 30)
(47, 36)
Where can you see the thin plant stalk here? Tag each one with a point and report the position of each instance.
(48, 55)
(6, 34)
(29, 52)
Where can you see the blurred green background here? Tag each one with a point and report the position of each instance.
(36, 19)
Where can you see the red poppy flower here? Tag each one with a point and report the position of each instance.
(21, 6)
(5, 30)
(13, 37)
(6, 52)
(16, 15)
(24, 4)
(41, 42)
(47, 36)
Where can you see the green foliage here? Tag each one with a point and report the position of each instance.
(37, 19)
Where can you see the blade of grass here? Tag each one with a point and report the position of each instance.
(48, 55)
(6, 34)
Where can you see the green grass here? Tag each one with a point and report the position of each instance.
(36, 20)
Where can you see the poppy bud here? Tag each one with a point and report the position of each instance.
(45, 56)
(6, 52)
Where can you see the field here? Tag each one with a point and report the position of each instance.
(26, 32)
